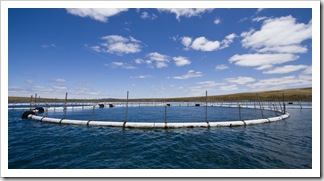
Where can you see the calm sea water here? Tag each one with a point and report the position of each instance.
(282, 144)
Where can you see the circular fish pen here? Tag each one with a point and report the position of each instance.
(161, 115)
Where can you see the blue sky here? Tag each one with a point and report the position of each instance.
(101, 53)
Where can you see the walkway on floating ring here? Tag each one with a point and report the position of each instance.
(160, 124)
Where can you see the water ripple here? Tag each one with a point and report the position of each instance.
(283, 144)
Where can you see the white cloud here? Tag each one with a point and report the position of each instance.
(141, 77)
(217, 21)
(59, 87)
(259, 18)
(228, 87)
(146, 15)
(58, 80)
(161, 64)
(48, 46)
(186, 12)
(228, 40)
(209, 84)
(118, 44)
(139, 61)
(39, 87)
(278, 41)
(285, 69)
(259, 10)
(221, 67)
(308, 70)
(203, 44)
(263, 67)
(99, 14)
(181, 61)
(282, 82)
(160, 60)
(189, 74)
(120, 65)
(285, 49)
(96, 48)
(186, 41)
(277, 32)
(29, 81)
(240, 80)
(251, 60)
(94, 93)
(158, 57)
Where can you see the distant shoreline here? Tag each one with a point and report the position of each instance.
(298, 94)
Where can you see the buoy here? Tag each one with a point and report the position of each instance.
(40, 109)
(26, 113)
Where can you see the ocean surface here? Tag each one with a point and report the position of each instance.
(284, 144)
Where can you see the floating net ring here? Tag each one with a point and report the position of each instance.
(126, 124)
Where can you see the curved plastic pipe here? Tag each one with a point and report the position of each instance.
(158, 125)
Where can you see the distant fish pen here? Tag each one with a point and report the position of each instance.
(39, 112)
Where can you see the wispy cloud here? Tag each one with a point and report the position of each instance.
(186, 12)
(141, 77)
(240, 80)
(282, 82)
(146, 15)
(209, 84)
(221, 67)
(285, 69)
(259, 60)
(116, 44)
(59, 87)
(259, 18)
(228, 87)
(120, 65)
(99, 14)
(46, 46)
(308, 70)
(29, 81)
(58, 80)
(160, 60)
(189, 74)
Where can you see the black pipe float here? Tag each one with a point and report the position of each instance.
(40, 109)
(26, 113)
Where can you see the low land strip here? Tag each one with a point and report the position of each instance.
(300, 94)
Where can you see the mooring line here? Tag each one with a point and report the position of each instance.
(244, 122)
(88, 122)
(124, 124)
(208, 125)
(61, 120)
(41, 120)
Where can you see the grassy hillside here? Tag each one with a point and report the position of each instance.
(302, 94)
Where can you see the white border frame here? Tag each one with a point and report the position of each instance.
(314, 172)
